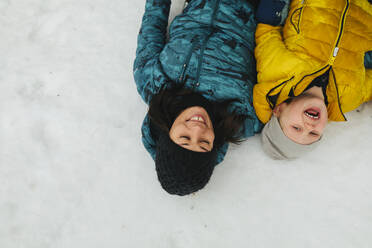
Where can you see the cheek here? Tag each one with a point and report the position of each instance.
(324, 123)
(172, 135)
(295, 115)
(174, 131)
(296, 110)
(211, 135)
(287, 113)
(287, 117)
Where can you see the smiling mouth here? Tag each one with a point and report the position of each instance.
(312, 113)
(197, 118)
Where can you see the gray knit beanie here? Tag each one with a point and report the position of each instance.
(278, 146)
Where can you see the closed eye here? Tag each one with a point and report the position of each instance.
(314, 134)
(296, 128)
(187, 138)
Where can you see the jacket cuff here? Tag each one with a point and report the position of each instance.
(368, 60)
(272, 12)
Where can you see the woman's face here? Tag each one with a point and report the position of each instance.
(193, 130)
(304, 119)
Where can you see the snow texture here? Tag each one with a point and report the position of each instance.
(74, 173)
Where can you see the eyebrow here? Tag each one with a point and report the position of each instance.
(202, 140)
(187, 144)
(314, 133)
(313, 139)
(203, 148)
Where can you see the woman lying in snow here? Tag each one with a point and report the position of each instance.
(198, 86)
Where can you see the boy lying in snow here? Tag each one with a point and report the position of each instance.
(310, 70)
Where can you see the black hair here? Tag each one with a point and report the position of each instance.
(289, 100)
(164, 108)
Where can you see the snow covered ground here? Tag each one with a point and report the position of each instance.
(74, 174)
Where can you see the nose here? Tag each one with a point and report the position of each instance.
(196, 125)
(196, 130)
(310, 125)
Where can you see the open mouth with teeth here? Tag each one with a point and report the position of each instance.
(197, 118)
(312, 113)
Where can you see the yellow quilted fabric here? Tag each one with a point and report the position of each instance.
(317, 35)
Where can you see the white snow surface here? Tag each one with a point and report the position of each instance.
(74, 173)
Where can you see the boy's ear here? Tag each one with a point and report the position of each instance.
(277, 110)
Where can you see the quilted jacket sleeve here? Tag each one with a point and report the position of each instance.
(274, 60)
(148, 73)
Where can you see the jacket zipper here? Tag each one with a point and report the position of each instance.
(204, 44)
(187, 60)
(294, 88)
(336, 48)
(333, 56)
(338, 97)
(201, 56)
(335, 52)
(186, 63)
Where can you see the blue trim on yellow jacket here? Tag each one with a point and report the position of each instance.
(368, 60)
(272, 12)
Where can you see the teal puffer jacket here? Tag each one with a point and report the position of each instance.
(210, 50)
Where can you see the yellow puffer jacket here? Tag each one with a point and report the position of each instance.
(318, 35)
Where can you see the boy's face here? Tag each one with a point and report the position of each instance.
(303, 119)
(193, 130)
